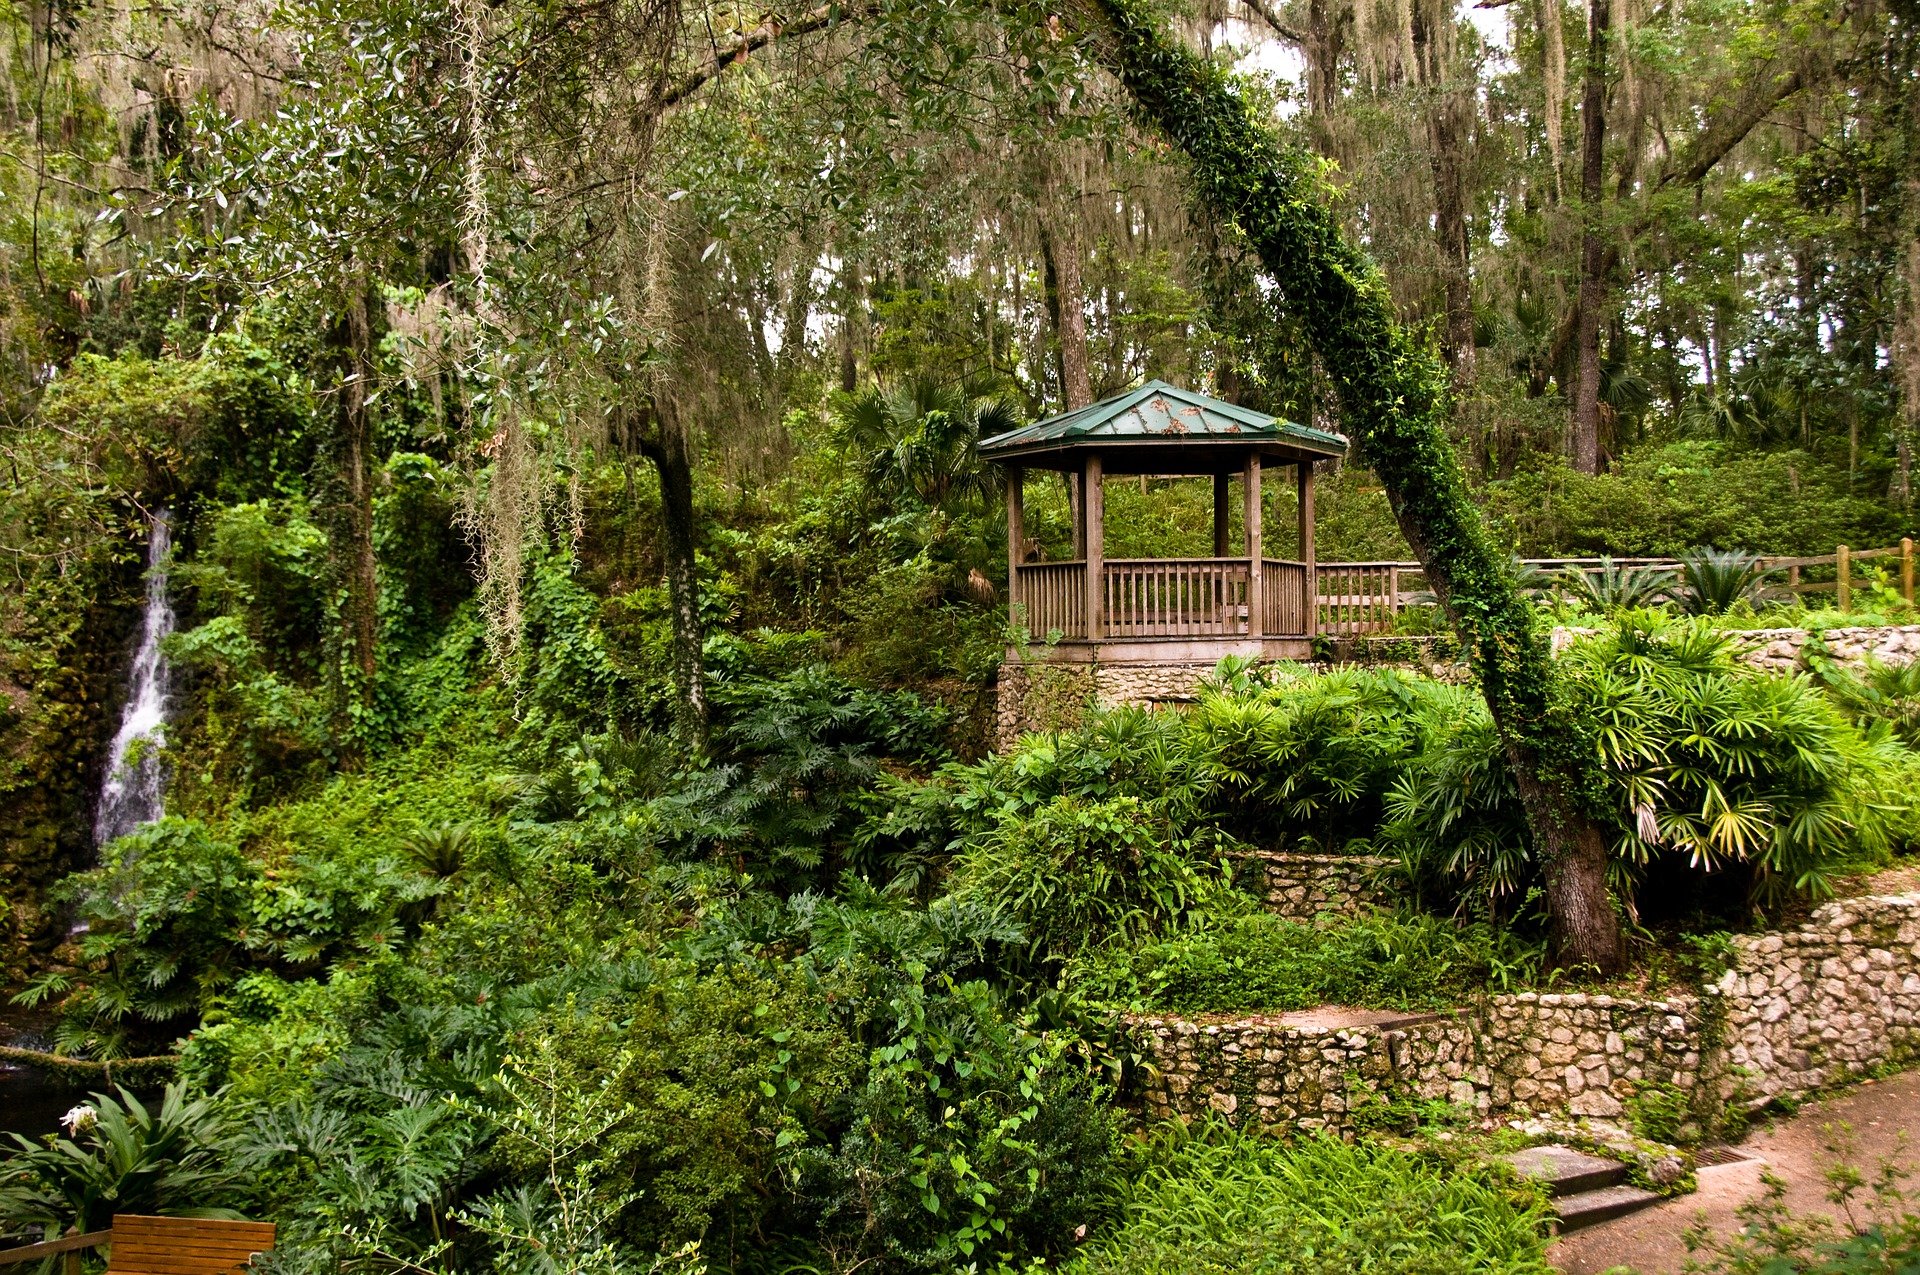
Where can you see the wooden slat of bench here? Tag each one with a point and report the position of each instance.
(184, 1245)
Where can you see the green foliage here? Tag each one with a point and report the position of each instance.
(1879, 692)
(921, 443)
(1713, 582)
(123, 1156)
(1613, 587)
(176, 914)
(1664, 499)
(1223, 1202)
(1259, 962)
(1292, 757)
(1075, 873)
(1657, 1110)
(713, 1084)
(1707, 760)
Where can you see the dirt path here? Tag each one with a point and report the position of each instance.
(1884, 1119)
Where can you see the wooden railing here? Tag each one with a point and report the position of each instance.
(1363, 597)
(1162, 598)
(1053, 598)
(1359, 597)
(1285, 593)
(1175, 597)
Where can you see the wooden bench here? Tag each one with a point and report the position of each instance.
(184, 1245)
(160, 1246)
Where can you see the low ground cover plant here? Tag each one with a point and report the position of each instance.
(1217, 1201)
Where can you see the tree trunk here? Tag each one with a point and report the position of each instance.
(666, 450)
(1450, 225)
(1066, 308)
(1393, 398)
(1066, 311)
(1447, 131)
(362, 605)
(1593, 244)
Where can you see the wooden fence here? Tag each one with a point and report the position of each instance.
(1364, 597)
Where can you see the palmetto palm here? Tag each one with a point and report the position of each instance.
(921, 441)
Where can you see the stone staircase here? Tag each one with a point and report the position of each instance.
(1586, 1189)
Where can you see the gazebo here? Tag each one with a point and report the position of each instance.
(1152, 610)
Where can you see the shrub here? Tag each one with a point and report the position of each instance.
(176, 914)
(1232, 1202)
(1713, 583)
(1294, 756)
(1612, 587)
(1709, 761)
(122, 1156)
(1076, 873)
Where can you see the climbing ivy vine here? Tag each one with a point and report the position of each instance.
(1393, 396)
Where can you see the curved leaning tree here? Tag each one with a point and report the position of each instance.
(1393, 397)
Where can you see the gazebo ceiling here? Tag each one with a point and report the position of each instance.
(1158, 429)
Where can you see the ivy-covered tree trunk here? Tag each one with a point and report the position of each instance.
(1393, 397)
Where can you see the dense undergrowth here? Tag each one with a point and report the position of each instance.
(487, 969)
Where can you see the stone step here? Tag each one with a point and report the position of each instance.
(1588, 1208)
(1566, 1171)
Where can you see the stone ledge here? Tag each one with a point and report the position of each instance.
(1797, 1012)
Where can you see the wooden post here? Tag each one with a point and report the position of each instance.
(1221, 539)
(1906, 569)
(1393, 589)
(1095, 513)
(1843, 577)
(1256, 554)
(1077, 513)
(1303, 474)
(70, 1265)
(1016, 540)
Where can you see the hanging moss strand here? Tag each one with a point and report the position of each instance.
(1393, 397)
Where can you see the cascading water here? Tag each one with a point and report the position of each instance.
(130, 794)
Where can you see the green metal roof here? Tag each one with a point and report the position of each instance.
(1160, 413)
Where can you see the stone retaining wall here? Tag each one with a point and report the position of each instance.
(1303, 887)
(1795, 1013)
(1780, 650)
(1809, 1007)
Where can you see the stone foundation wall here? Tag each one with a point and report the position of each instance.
(1055, 696)
(1303, 887)
(1797, 1012)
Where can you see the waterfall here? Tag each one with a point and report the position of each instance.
(130, 793)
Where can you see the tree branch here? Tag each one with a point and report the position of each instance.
(770, 29)
(1292, 35)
